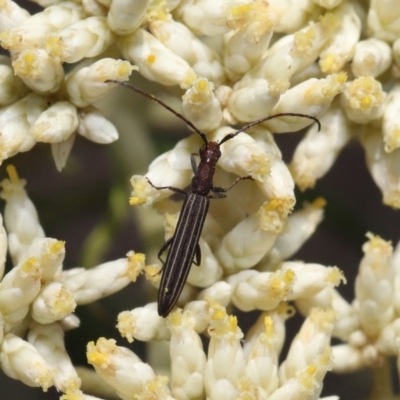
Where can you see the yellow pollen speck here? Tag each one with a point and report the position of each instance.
(336, 276)
(136, 265)
(319, 202)
(269, 326)
(135, 200)
(176, 317)
(152, 273)
(97, 358)
(366, 102)
(12, 173)
(377, 245)
(327, 63)
(303, 41)
(289, 277)
(239, 10)
(29, 266)
(57, 247)
(151, 58)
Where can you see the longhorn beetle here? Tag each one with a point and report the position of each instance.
(184, 246)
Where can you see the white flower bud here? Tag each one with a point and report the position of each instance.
(347, 317)
(253, 101)
(60, 151)
(363, 100)
(243, 156)
(220, 291)
(318, 150)
(279, 315)
(18, 288)
(252, 290)
(341, 47)
(155, 61)
(384, 167)
(209, 271)
(34, 31)
(292, 54)
(119, 367)
(15, 122)
(388, 340)
(292, 18)
(374, 286)
(39, 71)
(56, 124)
(94, 126)
(49, 341)
(311, 342)
(225, 362)
(262, 361)
(207, 17)
(70, 322)
(182, 42)
(87, 85)
(390, 123)
(20, 216)
(90, 285)
(307, 383)
(311, 278)
(125, 16)
(169, 169)
(86, 38)
(11, 14)
(187, 357)
(201, 107)
(12, 88)
(346, 359)
(142, 323)
(372, 57)
(245, 245)
(53, 303)
(254, 24)
(50, 253)
(21, 360)
(383, 20)
(96, 8)
(312, 97)
(300, 226)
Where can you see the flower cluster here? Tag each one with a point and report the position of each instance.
(38, 297)
(235, 62)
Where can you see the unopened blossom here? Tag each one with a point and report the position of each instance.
(390, 125)
(372, 57)
(55, 124)
(86, 38)
(114, 364)
(384, 167)
(318, 150)
(341, 47)
(125, 16)
(37, 298)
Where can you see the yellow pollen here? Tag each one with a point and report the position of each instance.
(136, 200)
(151, 58)
(57, 247)
(319, 202)
(97, 358)
(12, 173)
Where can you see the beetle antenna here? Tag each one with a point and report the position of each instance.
(259, 121)
(166, 106)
